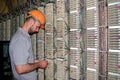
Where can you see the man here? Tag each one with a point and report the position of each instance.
(22, 58)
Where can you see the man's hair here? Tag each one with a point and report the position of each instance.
(28, 18)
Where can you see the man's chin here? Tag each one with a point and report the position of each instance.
(33, 33)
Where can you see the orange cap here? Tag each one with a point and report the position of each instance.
(39, 16)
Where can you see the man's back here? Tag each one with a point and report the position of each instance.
(21, 53)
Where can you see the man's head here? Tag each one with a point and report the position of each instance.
(31, 25)
(37, 14)
(34, 21)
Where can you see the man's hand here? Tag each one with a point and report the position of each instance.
(25, 68)
(42, 63)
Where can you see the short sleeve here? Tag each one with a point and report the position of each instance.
(20, 52)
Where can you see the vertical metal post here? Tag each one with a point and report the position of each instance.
(102, 39)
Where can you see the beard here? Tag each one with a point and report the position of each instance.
(31, 33)
(31, 30)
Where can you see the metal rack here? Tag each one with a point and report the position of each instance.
(113, 40)
(92, 39)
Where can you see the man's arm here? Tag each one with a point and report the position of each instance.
(30, 67)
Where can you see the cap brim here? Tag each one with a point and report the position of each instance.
(42, 27)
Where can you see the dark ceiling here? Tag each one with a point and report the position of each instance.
(7, 6)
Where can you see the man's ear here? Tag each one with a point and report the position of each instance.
(31, 22)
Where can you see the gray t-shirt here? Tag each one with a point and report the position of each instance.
(20, 50)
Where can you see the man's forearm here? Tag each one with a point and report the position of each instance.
(26, 68)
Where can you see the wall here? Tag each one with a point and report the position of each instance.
(81, 40)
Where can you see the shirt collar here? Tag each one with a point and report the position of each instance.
(23, 31)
